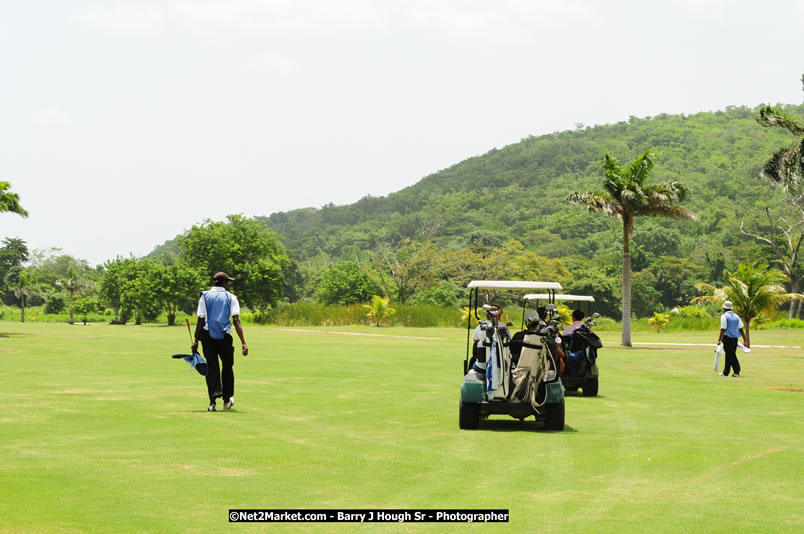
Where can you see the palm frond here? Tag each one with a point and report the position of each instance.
(771, 117)
(639, 169)
(786, 168)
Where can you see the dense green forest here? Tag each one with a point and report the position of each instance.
(505, 214)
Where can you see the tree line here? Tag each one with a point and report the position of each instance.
(140, 289)
(501, 215)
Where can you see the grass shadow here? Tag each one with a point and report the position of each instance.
(580, 395)
(513, 425)
(14, 334)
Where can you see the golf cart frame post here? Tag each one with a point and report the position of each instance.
(474, 291)
(552, 298)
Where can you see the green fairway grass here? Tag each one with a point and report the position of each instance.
(101, 431)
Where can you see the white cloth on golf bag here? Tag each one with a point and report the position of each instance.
(530, 369)
(498, 369)
(718, 354)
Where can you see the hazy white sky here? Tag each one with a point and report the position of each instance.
(123, 123)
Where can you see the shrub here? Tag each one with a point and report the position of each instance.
(787, 323)
(445, 295)
(313, 314)
(692, 311)
(55, 303)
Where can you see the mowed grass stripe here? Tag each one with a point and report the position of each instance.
(103, 432)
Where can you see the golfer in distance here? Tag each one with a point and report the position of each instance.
(213, 329)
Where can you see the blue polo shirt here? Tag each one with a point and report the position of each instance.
(731, 323)
(216, 306)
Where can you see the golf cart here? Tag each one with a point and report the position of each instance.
(496, 384)
(580, 348)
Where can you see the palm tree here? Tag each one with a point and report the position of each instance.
(10, 201)
(752, 289)
(785, 170)
(659, 321)
(378, 309)
(73, 285)
(24, 288)
(627, 196)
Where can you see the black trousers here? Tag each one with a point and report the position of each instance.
(220, 378)
(730, 351)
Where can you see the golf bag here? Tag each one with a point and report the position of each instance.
(581, 351)
(536, 360)
(492, 349)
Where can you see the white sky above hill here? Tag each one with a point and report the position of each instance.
(123, 123)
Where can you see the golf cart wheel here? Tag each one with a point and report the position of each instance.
(590, 389)
(469, 415)
(554, 416)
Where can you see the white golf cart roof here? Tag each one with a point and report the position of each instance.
(558, 296)
(512, 284)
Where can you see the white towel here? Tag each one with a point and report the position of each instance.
(718, 353)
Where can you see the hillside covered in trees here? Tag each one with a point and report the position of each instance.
(519, 193)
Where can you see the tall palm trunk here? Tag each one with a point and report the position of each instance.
(795, 305)
(626, 336)
(747, 330)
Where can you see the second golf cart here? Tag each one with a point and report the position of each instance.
(580, 347)
(495, 383)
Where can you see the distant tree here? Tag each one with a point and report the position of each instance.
(9, 201)
(141, 290)
(597, 283)
(378, 310)
(246, 250)
(676, 279)
(445, 294)
(646, 297)
(13, 253)
(345, 283)
(626, 196)
(527, 265)
(130, 287)
(402, 271)
(24, 287)
(177, 288)
(784, 237)
(753, 289)
(74, 285)
(83, 306)
(115, 277)
(55, 302)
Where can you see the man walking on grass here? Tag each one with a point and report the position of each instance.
(213, 329)
(731, 326)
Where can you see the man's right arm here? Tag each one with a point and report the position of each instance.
(199, 328)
